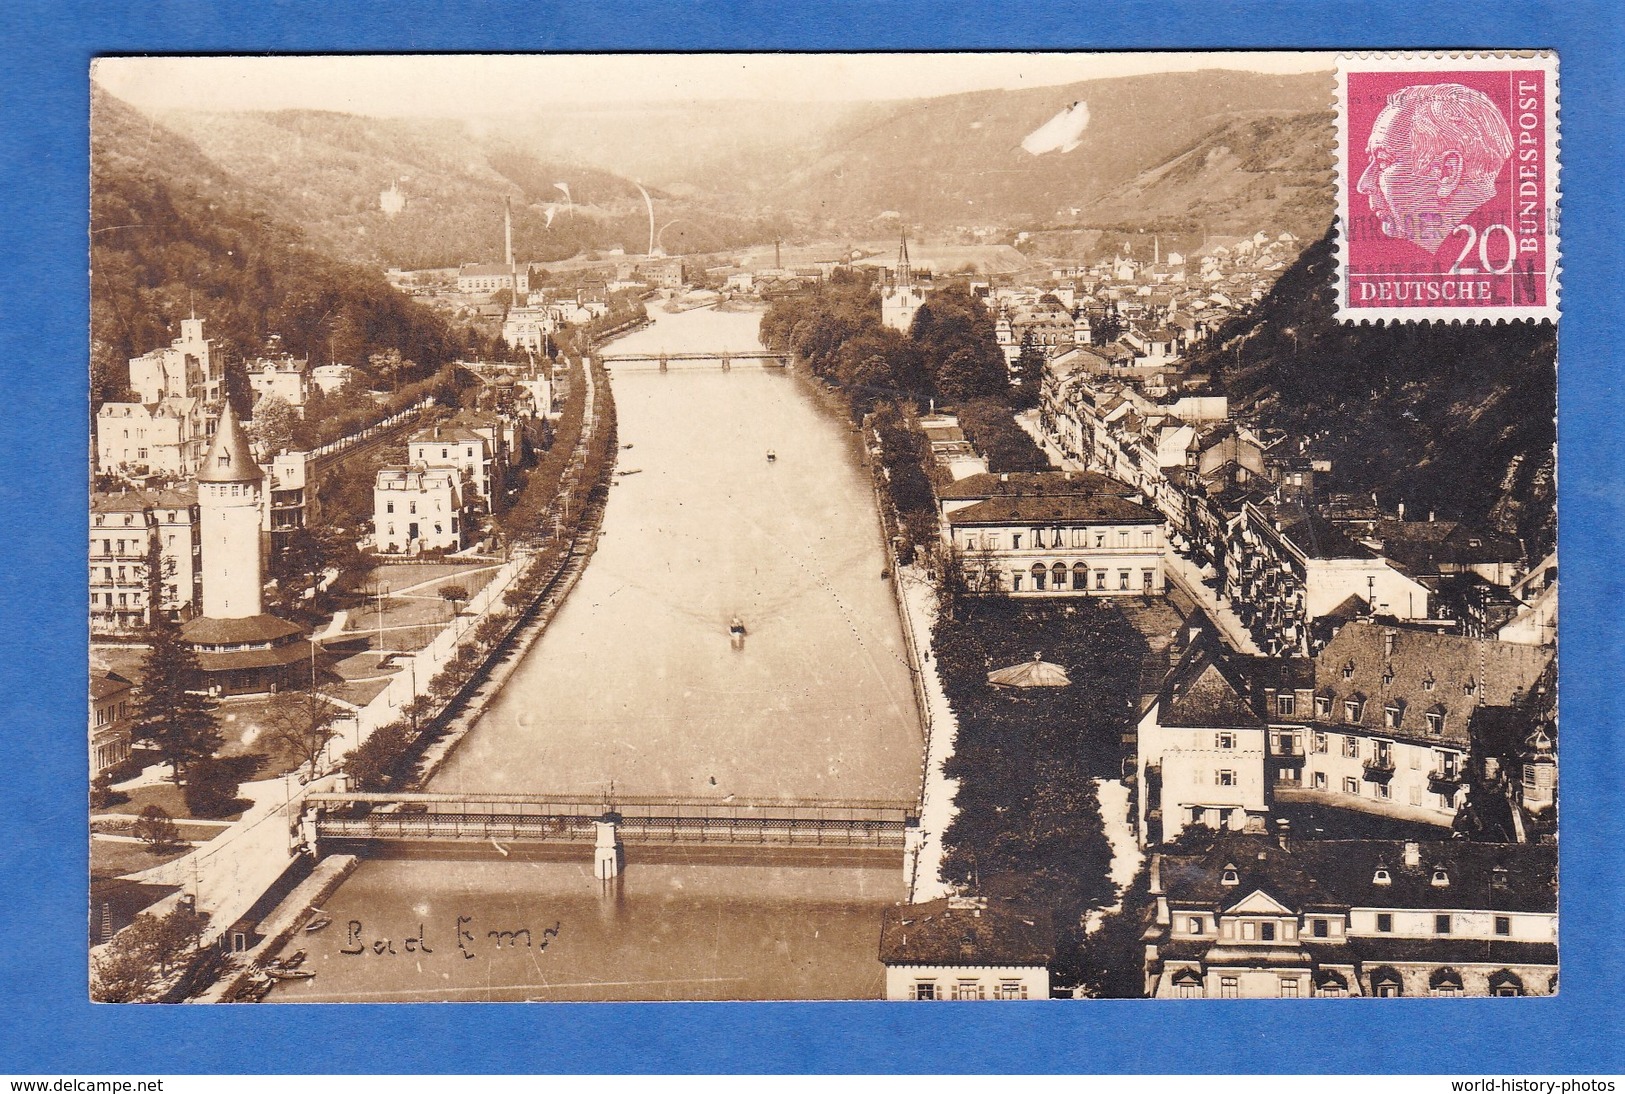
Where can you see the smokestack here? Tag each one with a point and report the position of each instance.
(507, 231)
(1283, 833)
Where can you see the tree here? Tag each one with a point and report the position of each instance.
(389, 366)
(271, 428)
(155, 828)
(966, 374)
(178, 722)
(135, 963)
(211, 788)
(454, 595)
(301, 723)
(1029, 370)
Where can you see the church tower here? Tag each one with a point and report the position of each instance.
(228, 485)
(903, 298)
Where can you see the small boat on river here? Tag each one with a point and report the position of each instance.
(736, 627)
(630, 471)
(291, 974)
(316, 923)
(772, 456)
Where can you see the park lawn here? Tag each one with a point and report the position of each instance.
(115, 858)
(166, 796)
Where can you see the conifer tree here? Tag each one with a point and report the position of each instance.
(178, 722)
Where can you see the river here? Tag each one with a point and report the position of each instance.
(636, 689)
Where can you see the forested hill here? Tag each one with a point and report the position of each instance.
(1455, 418)
(170, 233)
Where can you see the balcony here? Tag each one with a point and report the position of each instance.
(1443, 780)
(1379, 768)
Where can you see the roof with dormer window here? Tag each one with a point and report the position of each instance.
(229, 458)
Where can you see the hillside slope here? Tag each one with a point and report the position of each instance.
(171, 234)
(1271, 169)
(959, 159)
(1454, 418)
(327, 171)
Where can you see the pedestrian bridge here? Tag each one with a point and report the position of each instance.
(354, 818)
(664, 361)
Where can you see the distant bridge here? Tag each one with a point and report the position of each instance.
(580, 819)
(664, 360)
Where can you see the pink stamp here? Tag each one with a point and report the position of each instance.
(1447, 186)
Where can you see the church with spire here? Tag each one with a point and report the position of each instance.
(902, 298)
(241, 649)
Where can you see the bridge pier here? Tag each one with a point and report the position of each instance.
(606, 863)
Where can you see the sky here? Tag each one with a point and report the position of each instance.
(472, 86)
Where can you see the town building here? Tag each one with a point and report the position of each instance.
(469, 452)
(123, 525)
(1285, 567)
(966, 948)
(1054, 534)
(287, 497)
(111, 699)
(1257, 918)
(1201, 746)
(184, 369)
(330, 378)
(417, 509)
(278, 374)
(240, 649)
(164, 429)
(902, 298)
(1388, 720)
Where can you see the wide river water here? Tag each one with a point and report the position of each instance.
(636, 685)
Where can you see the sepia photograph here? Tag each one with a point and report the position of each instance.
(921, 527)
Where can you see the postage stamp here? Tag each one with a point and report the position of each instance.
(1447, 179)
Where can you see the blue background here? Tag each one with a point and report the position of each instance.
(46, 1024)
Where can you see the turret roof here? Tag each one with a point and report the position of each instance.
(229, 458)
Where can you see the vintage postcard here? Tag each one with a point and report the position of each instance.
(823, 526)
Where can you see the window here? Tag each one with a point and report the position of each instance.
(1188, 991)
(1319, 928)
(1012, 989)
(1383, 791)
(1080, 576)
(1195, 925)
(1266, 931)
(1228, 987)
(1385, 922)
(1320, 742)
(1286, 706)
(411, 507)
(1503, 925)
(925, 990)
(1319, 780)
(1289, 988)
(1038, 539)
(1351, 747)
(1079, 538)
(1435, 723)
(1390, 715)
(1148, 580)
(1122, 580)
(1441, 924)
(1224, 742)
(968, 989)
(1100, 579)
(1100, 538)
(389, 507)
(1015, 579)
(1351, 785)
(1353, 708)
(1122, 537)
(1225, 778)
(1249, 931)
(1015, 541)
(1145, 538)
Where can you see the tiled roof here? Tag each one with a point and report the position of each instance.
(1452, 951)
(104, 684)
(1035, 483)
(139, 501)
(999, 934)
(1086, 509)
(1342, 873)
(1498, 674)
(204, 631)
(1204, 691)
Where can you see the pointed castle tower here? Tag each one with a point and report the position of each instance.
(240, 648)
